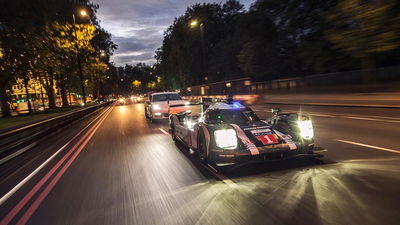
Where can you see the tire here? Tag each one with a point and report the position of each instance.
(202, 148)
(173, 132)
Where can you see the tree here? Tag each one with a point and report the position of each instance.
(39, 41)
(364, 28)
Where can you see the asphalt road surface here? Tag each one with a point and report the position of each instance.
(121, 169)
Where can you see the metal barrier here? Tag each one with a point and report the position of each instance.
(25, 136)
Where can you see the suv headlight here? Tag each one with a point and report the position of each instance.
(306, 129)
(226, 138)
(156, 107)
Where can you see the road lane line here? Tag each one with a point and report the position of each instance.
(29, 212)
(30, 194)
(369, 146)
(17, 153)
(352, 116)
(26, 179)
(163, 131)
(371, 119)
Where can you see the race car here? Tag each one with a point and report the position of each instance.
(230, 133)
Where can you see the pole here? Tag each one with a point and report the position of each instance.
(203, 49)
(79, 63)
(42, 95)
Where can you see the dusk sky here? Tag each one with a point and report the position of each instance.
(137, 26)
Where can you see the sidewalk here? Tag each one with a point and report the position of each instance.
(379, 99)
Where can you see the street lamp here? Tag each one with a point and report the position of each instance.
(193, 24)
(83, 13)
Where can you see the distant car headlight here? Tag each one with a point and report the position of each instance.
(306, 129)
(226, 138)
(156, 107)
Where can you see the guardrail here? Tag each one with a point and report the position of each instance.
(24, 137)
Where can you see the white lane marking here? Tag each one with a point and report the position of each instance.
(222, 177)
(26, 179)
(371, 119)
(163, 131)
(355, 117)
(20, 184)
(369, 146)
(19, 152)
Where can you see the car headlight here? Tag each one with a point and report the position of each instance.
(189, 124)
(156, 107)
(306, 129)
(226, 138)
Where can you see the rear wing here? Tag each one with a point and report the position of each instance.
(203, 103)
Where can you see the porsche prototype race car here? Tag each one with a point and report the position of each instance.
(229, 133)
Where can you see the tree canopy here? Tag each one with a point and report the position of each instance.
(42, 39)
(277, 39)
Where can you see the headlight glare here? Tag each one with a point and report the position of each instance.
(156, 107)
(226, 138)
(306, 129)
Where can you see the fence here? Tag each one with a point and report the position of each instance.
(387, 78)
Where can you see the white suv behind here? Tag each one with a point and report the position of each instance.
(157, 106)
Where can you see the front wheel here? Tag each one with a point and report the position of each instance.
(173, 135)
(202, 148)
(146, 113)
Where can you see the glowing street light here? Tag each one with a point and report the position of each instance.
(194, 23)
(83, 12)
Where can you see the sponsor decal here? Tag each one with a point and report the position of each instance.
(267, 139)
(245, 140)
(255, 128)
(288, 140)
(260, 131)
(265, 136)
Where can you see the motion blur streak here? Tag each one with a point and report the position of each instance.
(132, 173)
(369, 146)
(82, 143)
(31, 193)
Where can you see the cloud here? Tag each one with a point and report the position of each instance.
(137, 26)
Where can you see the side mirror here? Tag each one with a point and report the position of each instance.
(147, 102)
(275, 116)
(275, 111)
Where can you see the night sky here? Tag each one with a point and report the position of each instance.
(137, 26)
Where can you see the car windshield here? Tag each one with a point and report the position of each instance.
(238, 116)
(166, 97)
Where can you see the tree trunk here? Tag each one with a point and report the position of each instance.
(49, 86)
(27, 94)
(64, 94)
(4, 102)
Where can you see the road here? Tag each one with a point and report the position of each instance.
(121, 169)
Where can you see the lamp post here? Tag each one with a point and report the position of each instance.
(195, 23)
(78, 56)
